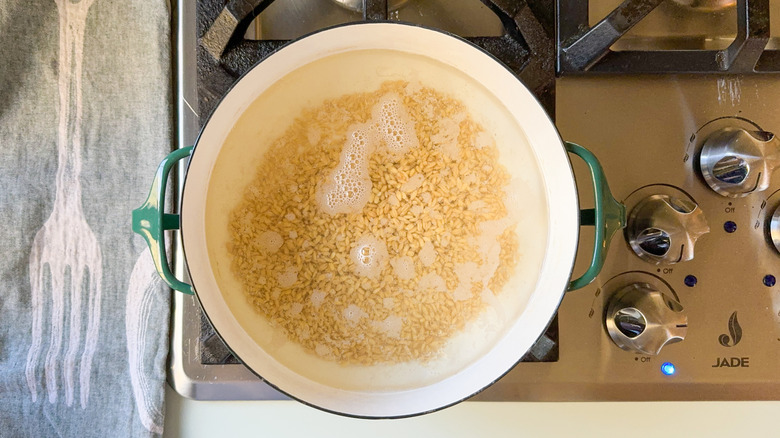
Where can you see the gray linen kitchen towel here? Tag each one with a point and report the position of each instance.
(85, 116)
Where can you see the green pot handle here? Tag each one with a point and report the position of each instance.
(608, 217)
(150, 221)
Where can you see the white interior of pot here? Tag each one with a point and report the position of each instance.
(330, 64)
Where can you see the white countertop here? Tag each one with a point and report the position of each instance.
(188, 418)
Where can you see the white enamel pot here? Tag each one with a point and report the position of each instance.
(328, 64)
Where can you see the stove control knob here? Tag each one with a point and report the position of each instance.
(663, 229)
(774, 228)
(735, 162)
(643, 320)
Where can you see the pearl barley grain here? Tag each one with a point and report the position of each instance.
(404, 262)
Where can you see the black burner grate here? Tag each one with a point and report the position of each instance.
(224, 54)
(584, 49)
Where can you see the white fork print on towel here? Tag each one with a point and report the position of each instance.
(143, 290)
(65, 244)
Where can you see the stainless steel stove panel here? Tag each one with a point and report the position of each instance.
(644, 132)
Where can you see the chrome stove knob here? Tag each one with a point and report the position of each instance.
(735, 162)
(643, 320)
(663, 229)
(774, 229)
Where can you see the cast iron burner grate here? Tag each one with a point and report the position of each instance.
(584, 49)
(223, 55)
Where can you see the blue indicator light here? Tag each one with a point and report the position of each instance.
(769, 280)
(668, 368)
(730, 226)
(690, 280)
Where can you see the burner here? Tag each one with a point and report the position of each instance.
(589, 49)
(224, 54)
(357, 5)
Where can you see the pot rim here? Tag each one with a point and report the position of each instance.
(563, 222)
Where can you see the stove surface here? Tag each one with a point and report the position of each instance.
(648, 133)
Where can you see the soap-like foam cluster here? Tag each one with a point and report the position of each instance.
(369, 255)
(269, 241)
(317, 298)
(427, 254)
(390, 326)
(354, 313)
(394, 125)
(403, 267)
(348, 187)
(288, 277)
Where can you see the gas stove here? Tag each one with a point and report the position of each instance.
(678, 101)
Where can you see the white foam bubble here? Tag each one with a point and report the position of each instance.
(413, 183)
(413, 87)
(447, 136)
(489, 249)
(313, 134)
(348, 187)
(322, 350)
(427, 254)
(483, 139)
(390, 326)
(403, 267)
(317, 297)
(470, 178)
(393, 200)
(269, 241)
(295, 309)
(369, 255)
(467, 274)
(288, 277)
(353, 313)
(304, 332)
(433, 281)
(394, 125)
